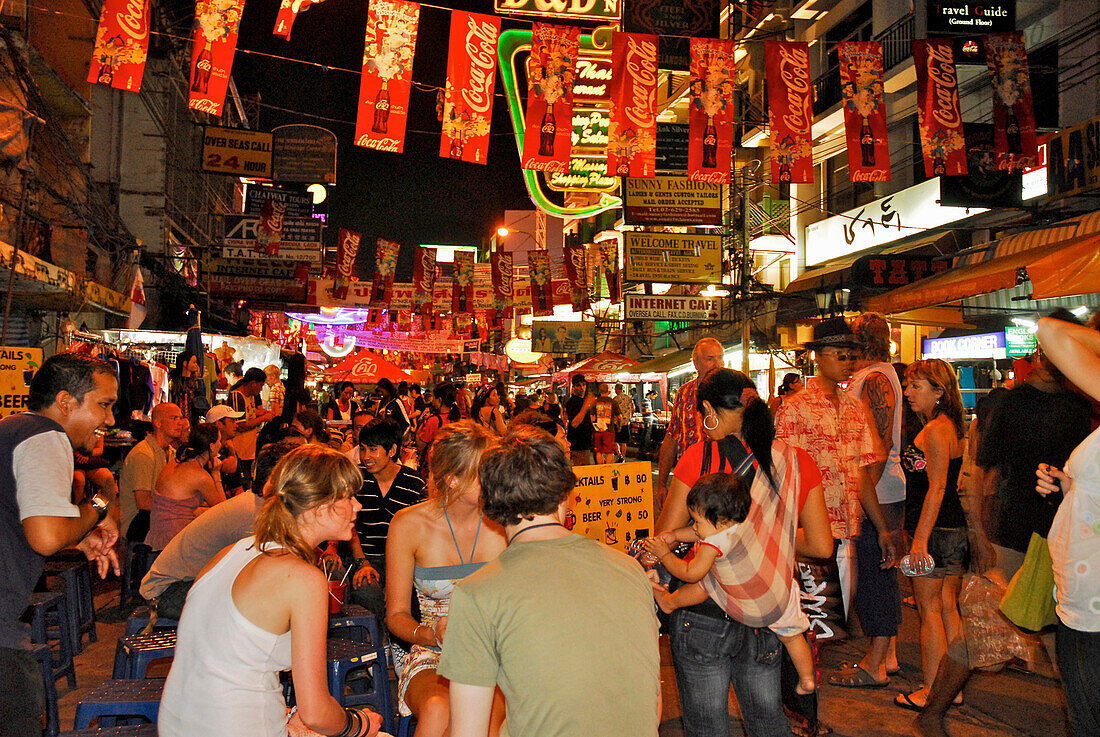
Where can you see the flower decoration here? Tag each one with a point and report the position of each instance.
(942, 141)
(712, 90)
(863, 90)
(218, 19)
(553, 79)
(392, 47)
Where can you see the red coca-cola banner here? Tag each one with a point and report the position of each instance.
(632, 131)
(462, 288)
(548, 125)
(288, 13)
(471, 73)
(385, 266)
(269, 231)
(423, 280)
(941, 127)
(1014, 139)
(346, 251)
(387, 74)
(121, 45)
(790, 110)
(542, 290)
(710, 112)
(861, 83)
(609, 264)
(576, 273)
(215, 42)
(500, 264)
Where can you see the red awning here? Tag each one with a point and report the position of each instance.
(607, 366)
(365, 367)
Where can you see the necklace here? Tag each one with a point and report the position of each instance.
(532, 527)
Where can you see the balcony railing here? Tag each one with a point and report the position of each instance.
(896, 48)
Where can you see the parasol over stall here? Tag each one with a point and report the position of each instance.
(365, 367)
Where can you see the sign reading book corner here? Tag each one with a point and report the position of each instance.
(674, 258)
(671, 201)
(612, 504)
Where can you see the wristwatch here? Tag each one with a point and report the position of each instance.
(101, 507)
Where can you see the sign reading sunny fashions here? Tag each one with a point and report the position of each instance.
(548, 124)
(671, 201)
(121, 45)
(673, 257)
(17, 367)
(386, 78)
(1073, 160)
(790, 110)
(299, 239)
(632, 135)
(674, 308)
(237, 152)
(468, 96)
(1014, 138)
(864, 111)
(612, 504)
(710, 111)
(577, 9)
(941, 128)
(213, 46)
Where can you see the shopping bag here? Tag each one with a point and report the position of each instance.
(819, 581)
(990, 637)
(1029, 600)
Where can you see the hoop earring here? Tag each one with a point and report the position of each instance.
(710, 417)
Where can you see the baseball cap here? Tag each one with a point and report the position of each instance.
(220, 412)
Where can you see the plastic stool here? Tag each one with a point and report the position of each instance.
(346, 656)
(78, 598)
(47, 607)
(362, 626)
(139, 559)
(44, 656)
(139, 620)
(406, 726)
(120, 699)
(133, 730)
(134, 652)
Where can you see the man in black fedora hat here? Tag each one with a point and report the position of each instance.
(835, 430)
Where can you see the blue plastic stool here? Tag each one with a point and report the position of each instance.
(120, 700)
(134, 652)
(346, 656)
(139, 620)
(138, 560)
(133, 730)
(78, 599)
(406, 726)
(360, 625)
(51, 621)
(44, 656)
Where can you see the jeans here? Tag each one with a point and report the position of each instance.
(1079, 659)
(878, 603)
(708, 655)
(372, 596)
(24, 701)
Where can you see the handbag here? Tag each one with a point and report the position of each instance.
(1029, 599)
(990, 637)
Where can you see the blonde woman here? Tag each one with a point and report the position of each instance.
(260, 607)
(933, 512)
(430, 546)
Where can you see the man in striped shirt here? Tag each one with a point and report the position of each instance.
(388, 487)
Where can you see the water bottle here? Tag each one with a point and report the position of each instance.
(917, 566)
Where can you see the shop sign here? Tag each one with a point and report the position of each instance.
(593, 80)
(1073, 160)
(264, 280)
(962, 347)
(671, 201)
(576, 9)
(320, 293)
(473, 379)
(969, 17)
(300, 239)
(17, 367)
(676, 258)
(612, 504)
(678, 308)
(891, 272)
(672, 147)
(1020, 342)
(586, 174)
(303, 153)
(675, 21)
(297, 204)
(566, 338)
(590, 131)
(240, 153)
(909, 212)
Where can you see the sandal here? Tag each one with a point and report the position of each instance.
(905, 702)
(857, 677)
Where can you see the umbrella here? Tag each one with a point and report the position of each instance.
(365, 367)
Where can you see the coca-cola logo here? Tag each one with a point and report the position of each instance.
(794, 65)
(391, 145)
(641, 64)
(364, 369)
(206, 105)
(576, 259)
(276, 217)
(945, 91)
(349, 247)
(481, 48)
(427, 275)
(133, 20)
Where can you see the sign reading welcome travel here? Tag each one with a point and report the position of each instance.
(684, 258)
(612, 504)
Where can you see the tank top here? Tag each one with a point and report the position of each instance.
(167, 516)
(891, 485)
(225, 675)
(915, 467)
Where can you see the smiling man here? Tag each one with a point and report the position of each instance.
(71, 401)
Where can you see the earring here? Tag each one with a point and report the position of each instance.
(710, 417)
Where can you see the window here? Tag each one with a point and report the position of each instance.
(840, 193)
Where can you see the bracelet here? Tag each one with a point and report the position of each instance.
(353, 724)
(358, 563)
(435, 640)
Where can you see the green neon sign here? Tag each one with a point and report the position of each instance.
(511, 43)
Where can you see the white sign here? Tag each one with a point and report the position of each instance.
(985, 345)
(671, 307)
(911, 211)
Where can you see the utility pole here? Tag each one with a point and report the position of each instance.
(745, 257)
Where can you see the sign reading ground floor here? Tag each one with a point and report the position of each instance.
(612, 504)
(676, 308)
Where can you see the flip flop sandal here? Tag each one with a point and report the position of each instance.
(856, 677)
(902, 700)
(848, 664)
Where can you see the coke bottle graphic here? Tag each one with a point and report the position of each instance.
(710, 145)
(939, 166)
(1012, 131)
(548, 132)
(456, 148)
(785, 171)
(867, 143)
(106, 75)
(382, 109)
(200, 79)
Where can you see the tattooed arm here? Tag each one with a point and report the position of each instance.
(878, 397)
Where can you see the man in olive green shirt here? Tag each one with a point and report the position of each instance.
(562, 624)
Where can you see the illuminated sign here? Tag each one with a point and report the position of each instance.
(673, 258)
(684, 308)
(592, 80)
(985, 345)
(577, 9)
(1020, 342)
(590, 131)
(586, 174)
(959, 16)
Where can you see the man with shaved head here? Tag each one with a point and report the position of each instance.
(685, 428)
(144, 464)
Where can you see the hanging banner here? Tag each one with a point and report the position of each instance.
(423, 280)
(548, 125)
(609, 264)
(270, 230)
(632, 133)
(346, 252)
(1014, 139)
(790, 111)
(215, 42)
(462, 288)
(387, 75)
(710, 112)
(288, 13)
(385, 266)
(861, 76)
(468, 99)
(941, 129)
(121, 45)
(576, 274)
(500, 264)
(542, 293)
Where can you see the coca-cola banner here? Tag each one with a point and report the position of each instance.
(462, 288)
(288, 13)
(542, 292)
(269, 230)
(710, 112)
(213, 46)
(500, 264)
(385, 266)
(864, 111)
(423, 280)
(609, 264)
(1014, 139)
(632, 132)
(468, 100)
(387, 74)
(346, 251)
(941, 128)
(790, 111)
(576, 273)
(121, 45)
(548, 125)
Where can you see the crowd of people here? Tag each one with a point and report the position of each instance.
(448, 510)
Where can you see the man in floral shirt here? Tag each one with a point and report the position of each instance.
(835, 430)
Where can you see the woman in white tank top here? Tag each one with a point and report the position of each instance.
(260, 607)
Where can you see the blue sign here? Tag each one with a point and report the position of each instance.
(983, 345)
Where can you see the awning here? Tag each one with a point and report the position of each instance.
(365, 367)
(666, 363)
(607, 366)
(49, 286)
(1067, 272)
